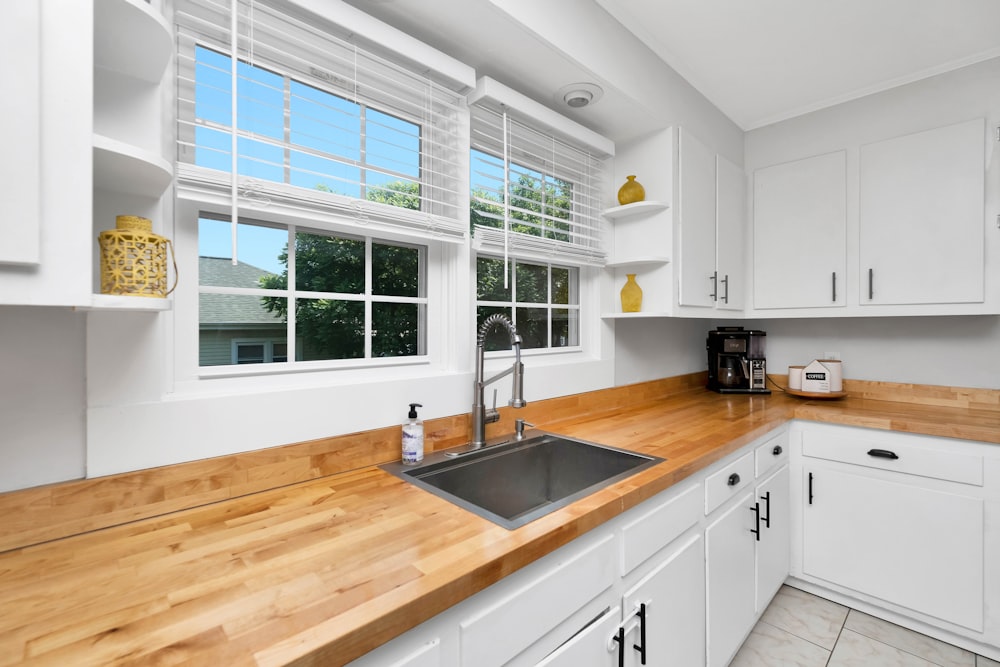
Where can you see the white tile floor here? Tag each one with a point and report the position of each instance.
(802, 630)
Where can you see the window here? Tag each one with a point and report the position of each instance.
(303, 135)
(298, 295)
(319, 118)
(542, 300)
(535, 191)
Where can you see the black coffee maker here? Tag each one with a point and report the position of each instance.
(736, 362)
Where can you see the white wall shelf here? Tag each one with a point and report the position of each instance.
(127, 303)
(634, 210)
(638, 262)
(122, 167)
(634, 316)
(131, 38)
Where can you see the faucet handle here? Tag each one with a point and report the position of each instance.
(519, 425)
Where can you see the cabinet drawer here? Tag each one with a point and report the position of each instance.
(510, 625)
(879, 452)
(771, 454)
(647, 534)
(726, 483)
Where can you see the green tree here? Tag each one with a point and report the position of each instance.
(335, 328)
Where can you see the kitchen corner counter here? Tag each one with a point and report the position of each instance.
(322, 571)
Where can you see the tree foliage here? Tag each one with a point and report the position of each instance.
(335, 328)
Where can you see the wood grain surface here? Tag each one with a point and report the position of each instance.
(320, 571)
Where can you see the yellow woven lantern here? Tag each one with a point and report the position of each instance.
(134, 260)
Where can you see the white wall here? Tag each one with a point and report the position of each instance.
(42, 396)
(657, 348)
(949, 351)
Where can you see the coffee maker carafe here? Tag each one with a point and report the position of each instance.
(736, 363)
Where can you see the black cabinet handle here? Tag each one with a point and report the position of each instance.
(882, 454)
(641, 646)
(810, 488)
(756, 512)
(620, 639)
(734, 479)
(767, 509)
(777, 450)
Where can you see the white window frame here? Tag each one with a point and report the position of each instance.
(548, 305)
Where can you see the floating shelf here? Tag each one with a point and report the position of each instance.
(127, 303)
(131, 38)
(122, 167)
(638, 262)
(634, 316)
(634, 210)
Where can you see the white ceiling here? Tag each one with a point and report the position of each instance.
(762, 61)
(758, 61)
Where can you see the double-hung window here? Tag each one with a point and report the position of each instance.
(535, 214)
(322, 170)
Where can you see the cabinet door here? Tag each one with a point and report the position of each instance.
(730, 204)
(917, 547)
(591, 647)
(773, 547)
(922, 217)
(800, 233)
(20, 178)
(674, 596)
(696, 257)
(730, 579)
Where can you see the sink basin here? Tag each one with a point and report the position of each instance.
(514, 482)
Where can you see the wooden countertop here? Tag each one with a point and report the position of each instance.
(323, 571)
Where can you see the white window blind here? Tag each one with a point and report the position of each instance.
(318, 118)
(536, 192)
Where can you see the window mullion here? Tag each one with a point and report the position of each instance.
(368, 297)
(290, 331)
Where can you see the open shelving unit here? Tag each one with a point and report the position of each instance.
(133, 46)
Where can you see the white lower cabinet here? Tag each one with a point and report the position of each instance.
(664, 614)
(591, 646)
(903, 523)
(773, 542)
(730, 589)
(747, 544)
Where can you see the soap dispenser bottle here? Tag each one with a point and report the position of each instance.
(413, 437)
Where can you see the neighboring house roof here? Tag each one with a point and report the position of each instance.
(232, 309)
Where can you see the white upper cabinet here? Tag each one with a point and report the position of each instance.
(697, 277)
(20, 183)
(921, 217)
(730, 198)
(800, 233)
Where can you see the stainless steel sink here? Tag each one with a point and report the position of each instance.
(514, 482)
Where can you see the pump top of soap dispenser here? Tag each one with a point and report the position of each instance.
(413, 410)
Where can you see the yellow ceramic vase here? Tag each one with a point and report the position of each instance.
(631, 192)
(631, 295)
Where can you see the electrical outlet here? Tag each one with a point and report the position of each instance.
(831, 355)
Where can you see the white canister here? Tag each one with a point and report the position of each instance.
(795, 377)
(836, 373)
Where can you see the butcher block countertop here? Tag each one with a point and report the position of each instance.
(322, 571)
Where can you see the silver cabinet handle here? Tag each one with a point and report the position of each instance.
(715, 285)
(871, 284)
(725, 295)
(834, 287)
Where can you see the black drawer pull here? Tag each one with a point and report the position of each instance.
(777, 450)
(734, 479)
(882, 454)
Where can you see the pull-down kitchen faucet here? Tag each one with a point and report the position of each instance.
(481, 416)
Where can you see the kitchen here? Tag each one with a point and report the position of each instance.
(81, 389)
